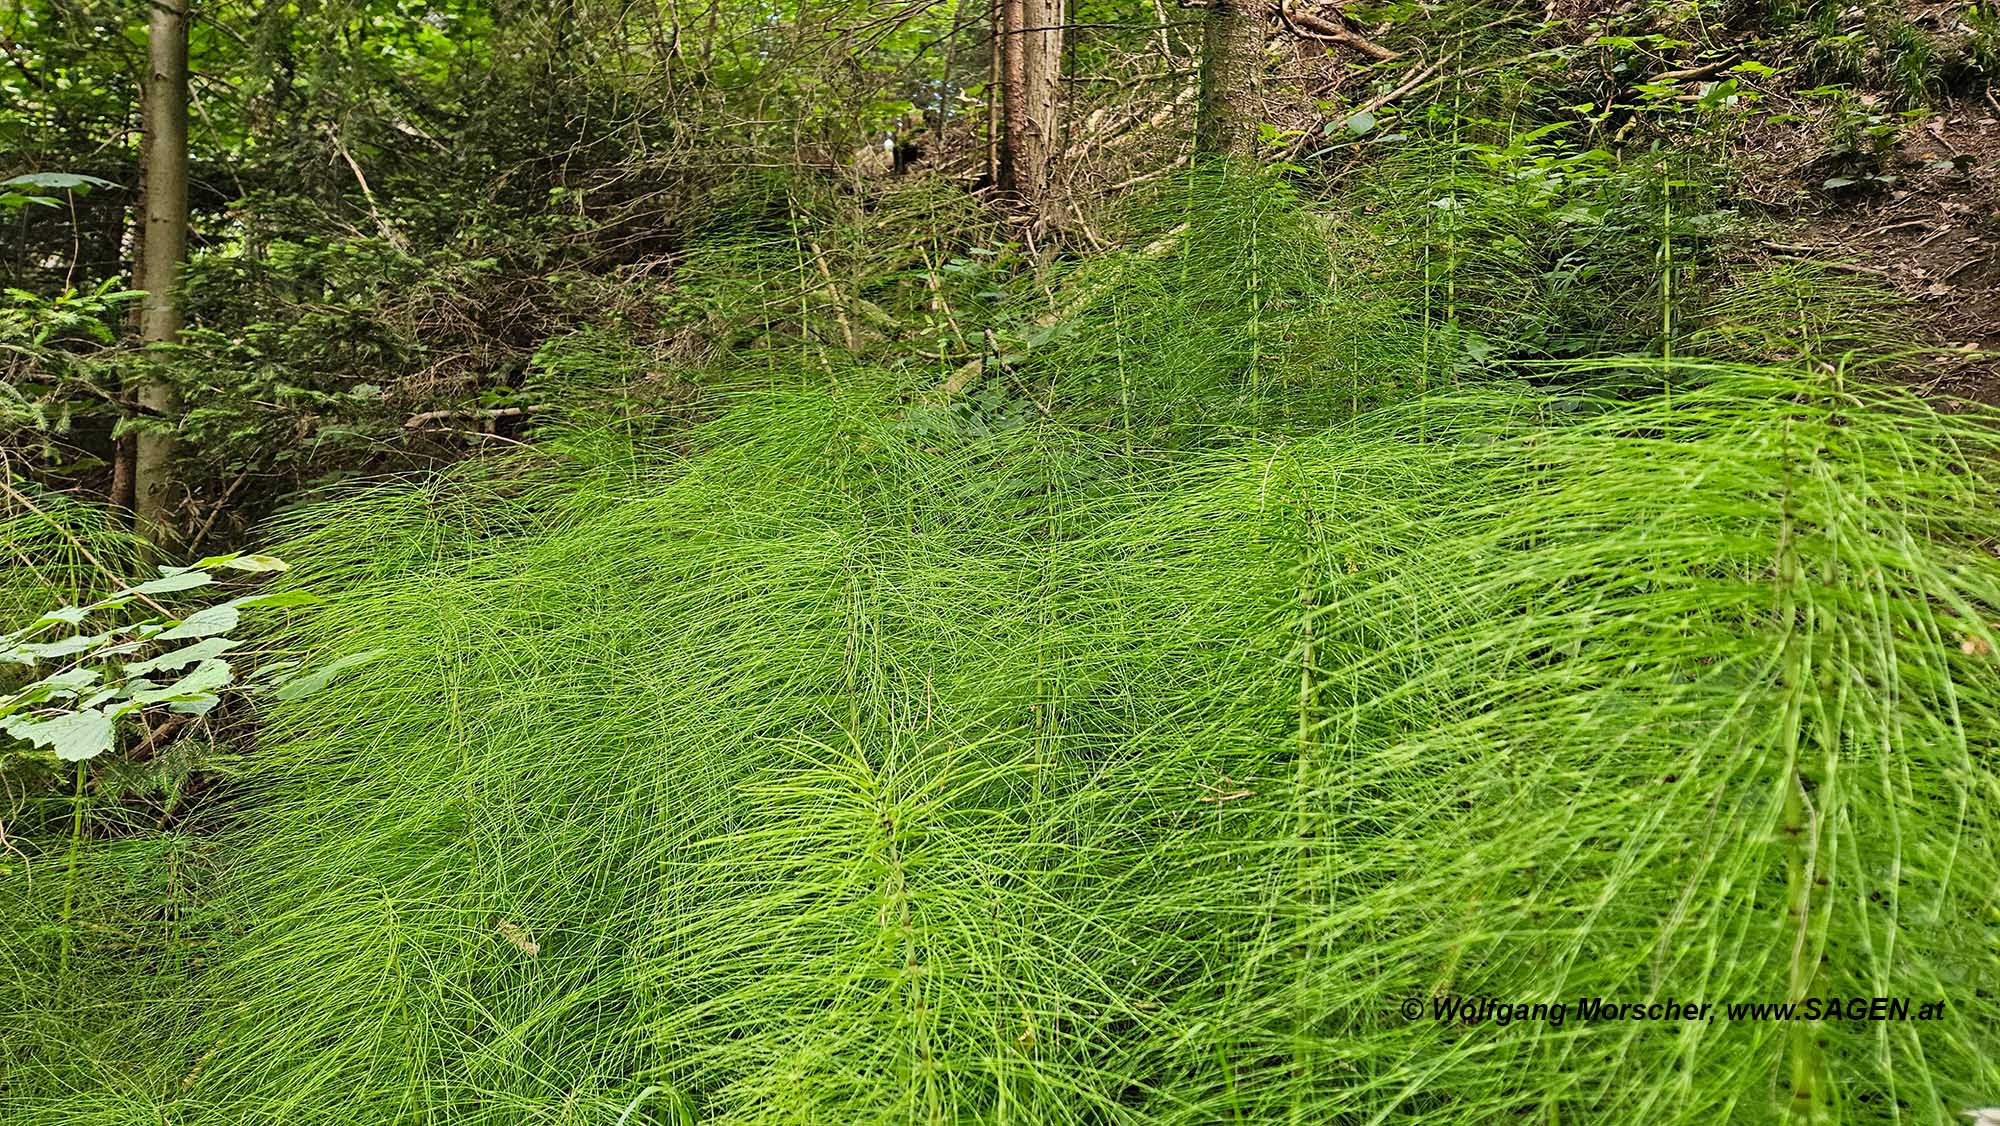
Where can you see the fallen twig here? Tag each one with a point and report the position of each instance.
(962, 379)
(1306, 25)
(367, 195)
(1427, 76)
(1418, 81)
(157, 737)
(1701, 71)
(484, 414)
(208, 524)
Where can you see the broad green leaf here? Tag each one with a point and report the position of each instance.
(300, 687)
(204, 622)
(276, 600)
(72, 680)
(67, 647)
(195, 705)
(182, 657)
(198, 686)
(254, 564)
(207, 676)
(74, 737)
(168, 584)
(62, 685)
(68, 615)
(60, 181)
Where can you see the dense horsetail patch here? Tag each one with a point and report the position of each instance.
(830, 771)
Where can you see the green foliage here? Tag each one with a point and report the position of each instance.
(40, 182)
(98, 885)
(1788, 310)
(1232, 306)
(1915, 55)
(1041, 686)
(58, 550)
(62, 363)
(1870, 44)
(829, 773)
(102, 945)
(792, 270)
(1537, 246)
(393, 204)
(90, 670)
(1861, 138)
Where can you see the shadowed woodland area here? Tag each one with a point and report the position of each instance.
(999, 561)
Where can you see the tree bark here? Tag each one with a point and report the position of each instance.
(163, 112)
(1030, 46)
(1232, 66)
(125, 447)
(995, 91)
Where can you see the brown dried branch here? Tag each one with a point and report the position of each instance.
(483, 414)
(1307, 25)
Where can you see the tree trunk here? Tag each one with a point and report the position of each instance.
(163, 112)
(995, 92)
(1030, 78)
(125, 447)
(1232, 65)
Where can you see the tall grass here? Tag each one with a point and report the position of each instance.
(94, 899)
(56, 549)
(834, 773)
(1136, 744)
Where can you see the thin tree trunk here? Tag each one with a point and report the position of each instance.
(1232, 50)
(1030, 82)
(164, 116)
(1008, 41)
(995, 92)
(125, 448)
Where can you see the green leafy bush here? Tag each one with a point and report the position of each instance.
(1540, 245)
(61, 366)
(101, 673)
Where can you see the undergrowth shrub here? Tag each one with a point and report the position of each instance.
(1234, 307)
(842, 772)
(1539, 245)
(803, 276)
(1881, 44)
(100, 895)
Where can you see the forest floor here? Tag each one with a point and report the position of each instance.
(1928, 236)
(1905, 198)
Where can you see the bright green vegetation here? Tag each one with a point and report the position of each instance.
(792, 621)
(840, 779)
(822, 770)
